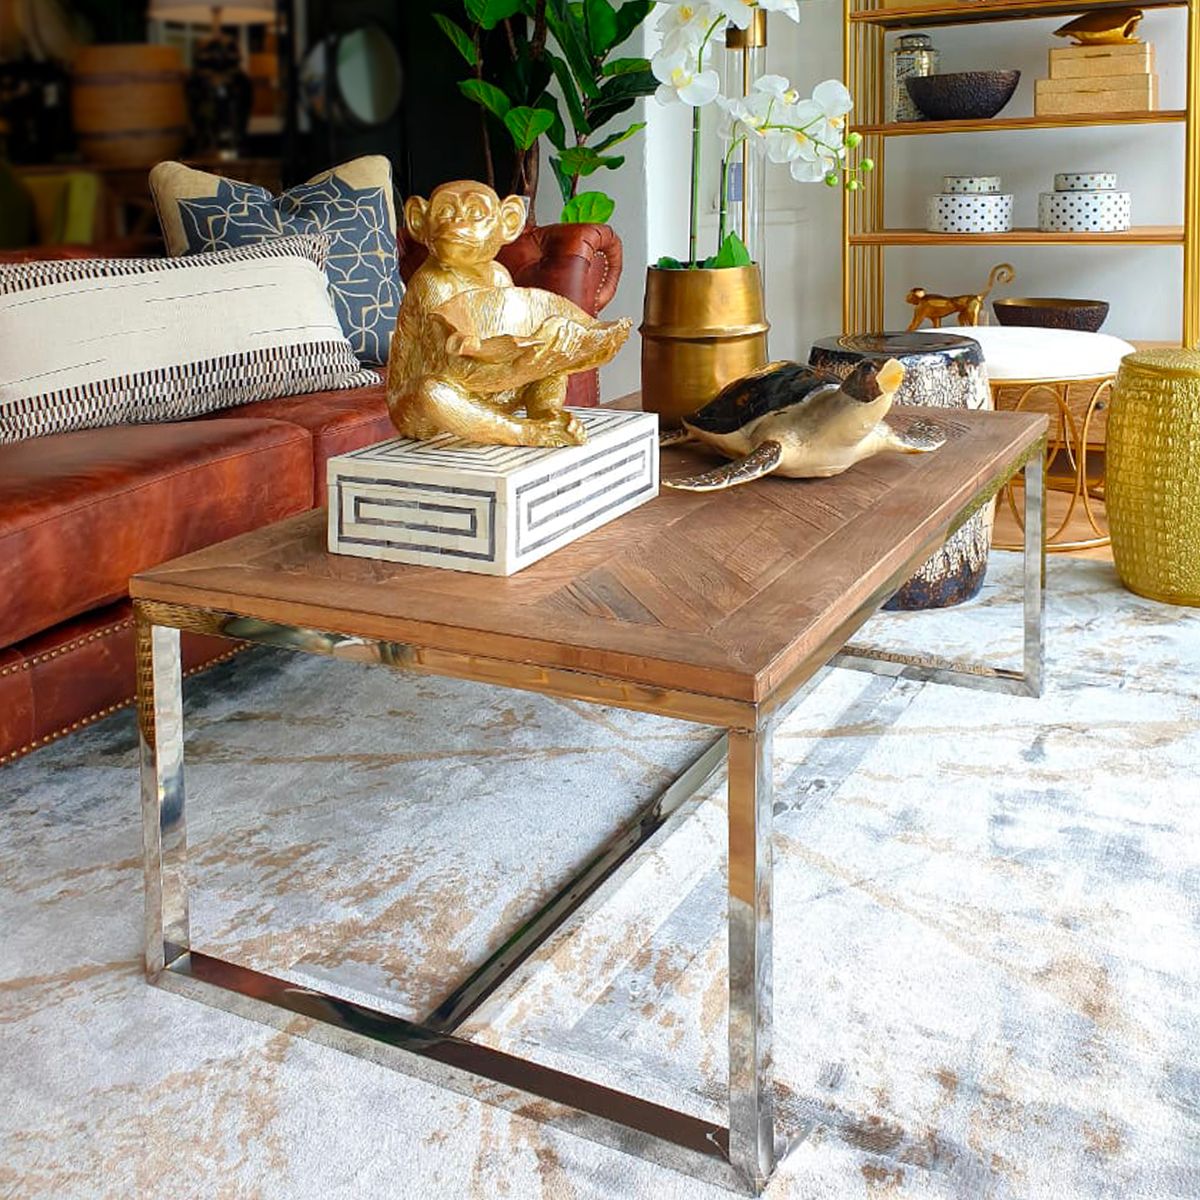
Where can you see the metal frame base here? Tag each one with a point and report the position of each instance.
(740, 1156)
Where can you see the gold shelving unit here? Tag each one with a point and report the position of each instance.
(865, 235)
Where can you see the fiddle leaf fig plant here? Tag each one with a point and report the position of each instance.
(557, 50)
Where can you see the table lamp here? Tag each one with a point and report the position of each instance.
(219, 92)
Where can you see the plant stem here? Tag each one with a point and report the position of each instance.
(724, 209)
(694, 213)
(489, 166)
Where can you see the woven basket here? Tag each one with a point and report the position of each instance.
(1153, 476)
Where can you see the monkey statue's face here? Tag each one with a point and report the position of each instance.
(916, 295)
(464, 224)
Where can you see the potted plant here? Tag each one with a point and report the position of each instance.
(573, 45)
(704, 321)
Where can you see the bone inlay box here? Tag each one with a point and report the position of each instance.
(489, 509)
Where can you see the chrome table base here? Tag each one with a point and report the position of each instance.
(741, 1156)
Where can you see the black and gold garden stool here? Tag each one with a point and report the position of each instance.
(941, 370)
(1153, 492)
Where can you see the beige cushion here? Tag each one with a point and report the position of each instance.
(1021, 352)
(87, 342)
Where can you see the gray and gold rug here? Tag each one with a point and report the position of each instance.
(987, 950)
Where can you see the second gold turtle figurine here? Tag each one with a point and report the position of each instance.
(787, 419)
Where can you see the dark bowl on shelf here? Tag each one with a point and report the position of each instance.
(963, 96)
(1052, 313)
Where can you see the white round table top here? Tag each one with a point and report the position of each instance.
(1028, 353)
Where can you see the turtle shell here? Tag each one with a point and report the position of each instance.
(777, 385)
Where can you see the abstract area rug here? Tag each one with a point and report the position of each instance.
(987, 935)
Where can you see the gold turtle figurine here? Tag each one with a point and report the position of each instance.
(787, 419)
(470, 349)
(1105, 27)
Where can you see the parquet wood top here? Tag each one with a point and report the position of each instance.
(723, 593)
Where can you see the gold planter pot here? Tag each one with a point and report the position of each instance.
(700, 330)
(1153, 474)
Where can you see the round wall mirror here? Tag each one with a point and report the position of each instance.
(353, 78)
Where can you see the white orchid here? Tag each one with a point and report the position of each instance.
(685, 25)
(777, 87)
(793, 138)
(681, 80)
(789, 8)
(835, 103)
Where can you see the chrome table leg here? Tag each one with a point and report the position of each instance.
(929, 668)
(164, 832)
(751, 1119)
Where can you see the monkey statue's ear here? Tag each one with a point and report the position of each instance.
(416, 218)
(512, 218)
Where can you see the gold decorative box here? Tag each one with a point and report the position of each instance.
(1095, 94)
(1075, 62)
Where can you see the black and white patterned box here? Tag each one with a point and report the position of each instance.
(489, 509)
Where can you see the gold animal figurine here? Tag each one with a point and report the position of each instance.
(471, 350)
(1106, 27)
(934, 308)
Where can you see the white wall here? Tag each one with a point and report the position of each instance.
(803, 259)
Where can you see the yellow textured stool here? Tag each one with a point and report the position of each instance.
(1153, 488)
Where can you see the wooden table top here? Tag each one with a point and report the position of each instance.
(728, 594)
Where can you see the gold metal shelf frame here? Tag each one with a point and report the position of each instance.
(865, 71)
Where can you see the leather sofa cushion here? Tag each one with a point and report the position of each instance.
(81, 512)
(337, 422)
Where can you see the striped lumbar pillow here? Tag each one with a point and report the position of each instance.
(91, 342)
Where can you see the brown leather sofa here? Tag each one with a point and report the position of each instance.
(81, 512)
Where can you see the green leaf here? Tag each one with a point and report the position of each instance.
(566, 83)
(556, 131)
(487, 94)
(629, 16)
(619, 94)
(590, 207)
(459, 36)
(571, 36)
(625, 66)
(583, 160)
(615, 139)
(527, 125)
(667, 263)
(489, 13)
(601, 23)
(732, 253)
(566, 183)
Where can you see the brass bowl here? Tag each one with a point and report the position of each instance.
(1049, 312)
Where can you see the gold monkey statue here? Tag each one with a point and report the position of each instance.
(471, 349)
(1107, 27)
(937, 308)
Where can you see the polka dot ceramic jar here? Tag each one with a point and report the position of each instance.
(948, 212)
(1084, 212)
(970, 185)
(1085, 181)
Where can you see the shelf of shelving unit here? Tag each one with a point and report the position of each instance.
(1000, 124)
(1139, 235)
(932, 15)
(866, 237)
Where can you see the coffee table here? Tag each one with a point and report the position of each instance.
(718, 608)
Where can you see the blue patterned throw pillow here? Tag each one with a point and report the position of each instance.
(351, 205)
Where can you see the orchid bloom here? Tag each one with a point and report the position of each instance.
(789, 8)
(685, 25)
(682, 81)
(835, 102)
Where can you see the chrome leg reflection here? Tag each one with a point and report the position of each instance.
(164, 831)
(751, 1119)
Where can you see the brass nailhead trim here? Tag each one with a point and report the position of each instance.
(95, 636)
(104, 712)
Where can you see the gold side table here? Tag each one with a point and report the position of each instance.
(1154, 475)
(1076, 407)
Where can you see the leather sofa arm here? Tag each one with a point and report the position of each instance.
(581, 262)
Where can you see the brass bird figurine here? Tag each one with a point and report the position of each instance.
(1106, 27)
